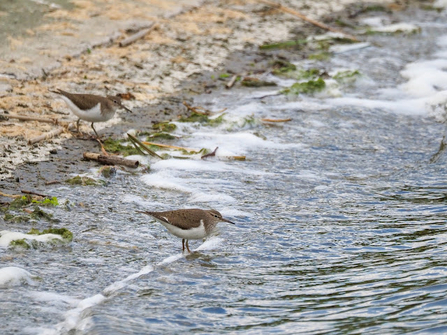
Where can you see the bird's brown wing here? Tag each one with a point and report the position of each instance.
(183, 219)
(83, 101)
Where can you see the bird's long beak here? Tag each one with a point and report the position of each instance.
(124, 107)
(225, 220)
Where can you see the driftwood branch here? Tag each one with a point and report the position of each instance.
(305, 18)
(46, 136)
(30, 118)
(111, 160)
(137, 36)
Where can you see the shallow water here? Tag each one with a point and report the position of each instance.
(341, 218)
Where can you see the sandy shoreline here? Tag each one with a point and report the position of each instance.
(196, 39)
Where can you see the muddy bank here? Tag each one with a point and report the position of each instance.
(196, 53)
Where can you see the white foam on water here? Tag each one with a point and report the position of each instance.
(211, 243)
(54, 299)
(75, 318)
(191, 165)
(163, 181)
(425, 78)
(210, 197)
(239, 142)
(130, 198)
(13, 276)
(6, 237)
(118, 285)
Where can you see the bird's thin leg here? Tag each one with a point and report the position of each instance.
(183, 245)
(187, 246)
(97, 136)
(103, 150)
(77, 125)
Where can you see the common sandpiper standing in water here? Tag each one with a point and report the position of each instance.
(189, 224)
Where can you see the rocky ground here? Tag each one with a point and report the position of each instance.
(194, 52)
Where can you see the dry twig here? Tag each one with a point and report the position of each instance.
(138, 35)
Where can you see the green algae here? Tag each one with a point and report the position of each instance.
(162, 135)
(85, 181)
(282, 67)
(254, 82)
(164, 126)
(47, 202)
(204, 119)
(307, 87)
(284, 45)
(19, 244)
(309, 73)
(20, 202)
(347, 77)
(118, 146)
(319, 56)
(15, 218)
(39, 214)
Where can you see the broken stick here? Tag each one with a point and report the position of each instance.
(46, 136)
(111, 160)
(137, 36)
(230, 84)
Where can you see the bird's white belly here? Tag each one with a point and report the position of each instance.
(190, 234)
(90, 115)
